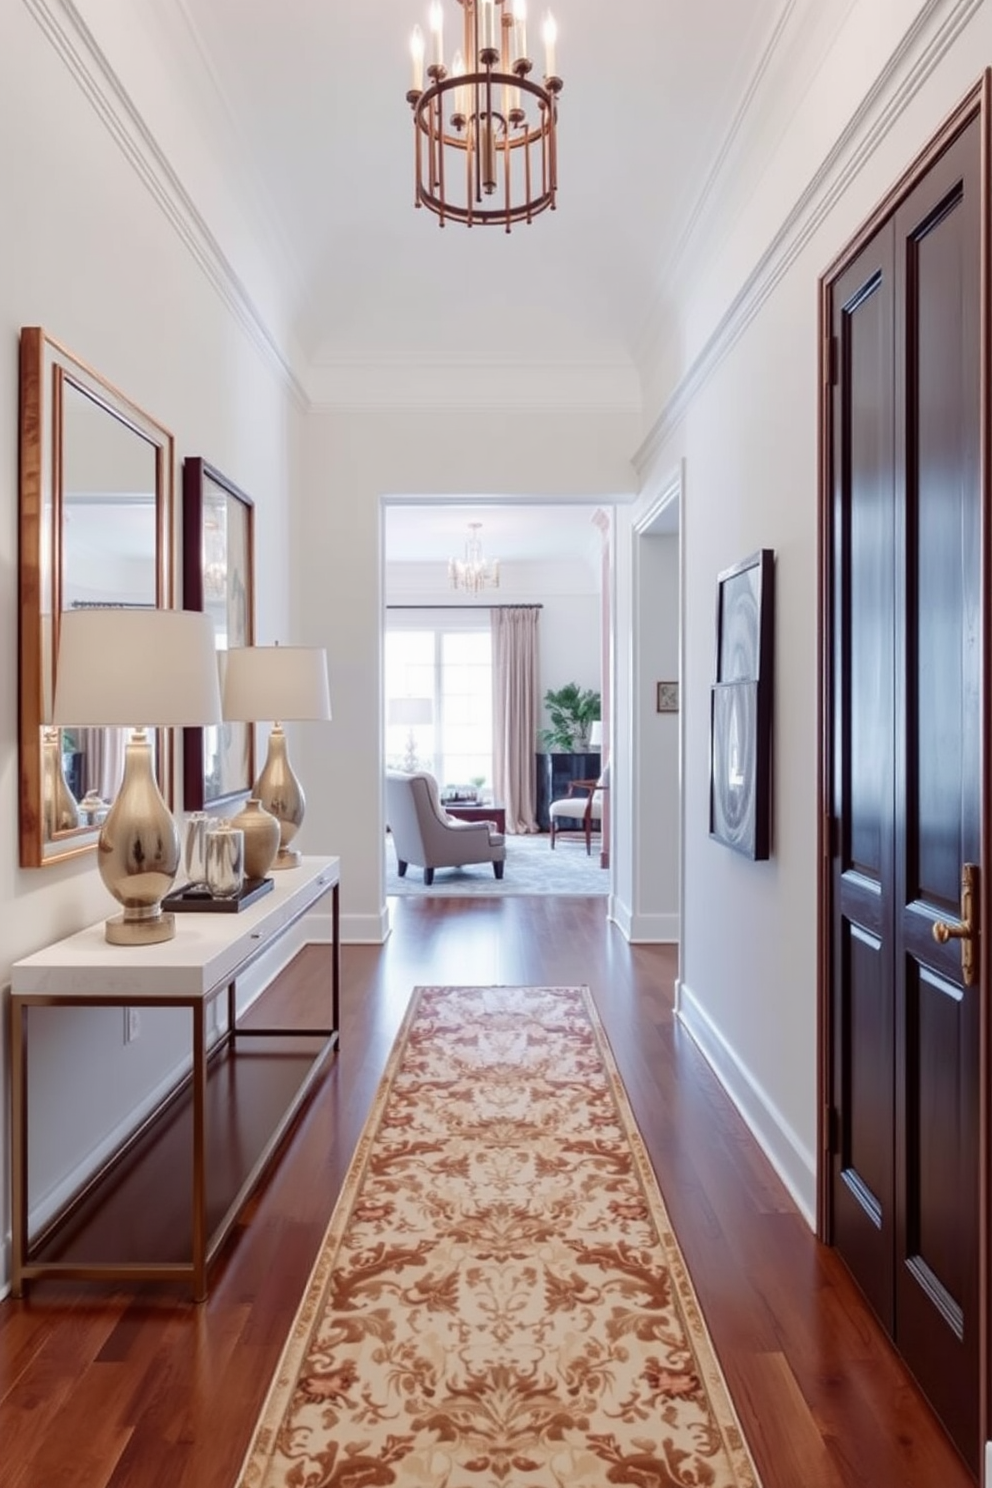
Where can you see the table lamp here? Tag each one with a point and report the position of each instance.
(412, 711)
(596, 735)
(284, 683)
(117, 666)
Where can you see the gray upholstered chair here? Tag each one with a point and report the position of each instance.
(581, 810)
(424, 833)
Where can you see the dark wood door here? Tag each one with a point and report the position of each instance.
(906, 720)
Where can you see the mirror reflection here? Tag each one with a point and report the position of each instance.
(227, 758)
(108, 541)
(96, 502)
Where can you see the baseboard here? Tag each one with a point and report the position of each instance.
(654, 929)
(619, 914)
(370, 929)
(356, 929)
(794, 1163)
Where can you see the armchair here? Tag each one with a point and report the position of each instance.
(424, 833)
(583, 811)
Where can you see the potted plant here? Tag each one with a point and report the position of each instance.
(571, 709)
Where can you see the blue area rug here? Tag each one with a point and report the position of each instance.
(531, 868)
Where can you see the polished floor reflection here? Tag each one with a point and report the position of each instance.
(143, 1389)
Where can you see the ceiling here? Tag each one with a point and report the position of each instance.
(301, 107)
(314, 93)
(522, 533)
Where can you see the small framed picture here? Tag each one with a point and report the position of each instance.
(668, 697)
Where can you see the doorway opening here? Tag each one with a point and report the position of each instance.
(436, 652)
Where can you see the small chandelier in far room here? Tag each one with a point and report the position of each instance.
(486, 132)
(473, 572)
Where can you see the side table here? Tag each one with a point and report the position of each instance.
(462, 811)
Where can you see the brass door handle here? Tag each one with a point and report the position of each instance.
(967, 930)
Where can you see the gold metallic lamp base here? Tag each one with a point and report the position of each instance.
(138, 852)
(122, 931)
(281, 794)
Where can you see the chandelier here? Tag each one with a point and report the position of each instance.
(473, 572)
(486, 136)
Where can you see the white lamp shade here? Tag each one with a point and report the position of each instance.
(596, 735)
(411, 710)
(277, 683)
(134, 667)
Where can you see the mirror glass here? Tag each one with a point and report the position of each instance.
(96, 523)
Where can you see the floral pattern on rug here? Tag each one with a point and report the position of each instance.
(499, 1300)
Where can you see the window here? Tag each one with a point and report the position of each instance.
(439, 695)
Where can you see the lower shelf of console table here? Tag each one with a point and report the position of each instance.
(163, 1206)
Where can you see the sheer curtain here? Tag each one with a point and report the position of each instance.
(103, 753)
(514, 631)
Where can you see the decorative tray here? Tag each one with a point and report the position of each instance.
(190, 899)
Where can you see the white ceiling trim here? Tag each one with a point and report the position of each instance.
(79, 50)
(918, 54)
(655, 325)
(250, 176)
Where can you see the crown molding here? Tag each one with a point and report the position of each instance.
(290, 262)
(65, 29)
(920, 51)
(647, 344)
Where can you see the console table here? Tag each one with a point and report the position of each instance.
(224, 1119)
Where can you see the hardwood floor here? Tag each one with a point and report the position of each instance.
(106, 1388)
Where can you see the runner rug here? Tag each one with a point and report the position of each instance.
(499, 1300)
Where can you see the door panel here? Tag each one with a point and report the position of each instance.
(906, 691)
(938, 282)
(863, 1189)
(869, 1154)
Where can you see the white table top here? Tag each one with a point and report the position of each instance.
(205, 952)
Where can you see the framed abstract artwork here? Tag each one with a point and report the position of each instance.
(741, 707)
(218, 577)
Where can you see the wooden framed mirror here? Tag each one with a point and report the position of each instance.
(96, 529)
(218, 577)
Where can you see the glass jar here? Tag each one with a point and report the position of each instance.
(225, 860)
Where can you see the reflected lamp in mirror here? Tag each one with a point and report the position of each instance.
(96, 521)
(134, 668)
(284, 684)
(596, 736)
(414, 713)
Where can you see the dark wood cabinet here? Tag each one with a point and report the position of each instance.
(555, 772)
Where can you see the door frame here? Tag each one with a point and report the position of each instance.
(977, 103)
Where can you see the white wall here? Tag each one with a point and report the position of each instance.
(353, 458)
(743, 420)
(89, 254)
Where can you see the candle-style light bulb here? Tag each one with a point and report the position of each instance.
(461, 93)
(487, 27)
(550, 37)
(519, 29)
(417, 58)
(437, 33)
